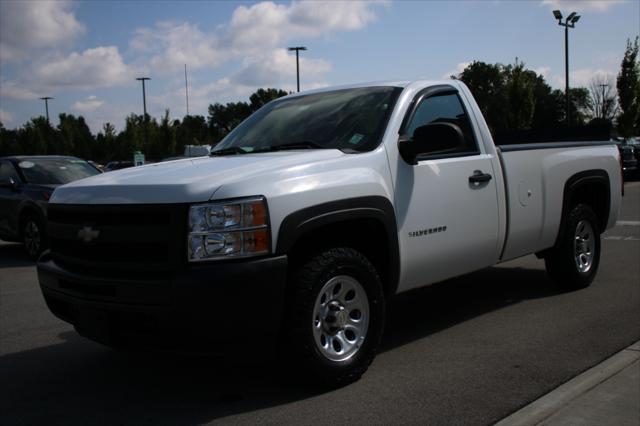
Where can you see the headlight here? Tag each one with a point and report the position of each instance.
(235, 228)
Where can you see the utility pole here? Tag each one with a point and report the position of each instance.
(570, 22)
(603, 104)
(297, 49)
(186, 87)
(46, 106)
(144, 106)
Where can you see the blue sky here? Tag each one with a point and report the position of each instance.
(87, 54)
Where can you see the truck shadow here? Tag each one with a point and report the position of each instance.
(79, 382)
(13, 255)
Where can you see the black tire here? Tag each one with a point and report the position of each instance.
(308, 279)
(33, 236)
(562, 264)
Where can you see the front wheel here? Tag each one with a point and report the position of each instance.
(33, 236)
(336, 317)
(574, 261)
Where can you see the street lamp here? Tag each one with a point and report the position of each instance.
(46, 105)
(570, 22)
(144, 95)
(144, 106)
(297, 49)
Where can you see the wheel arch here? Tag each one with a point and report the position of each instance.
(29, 209)
(591, 187)
(367, 224)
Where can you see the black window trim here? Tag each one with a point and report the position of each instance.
(430, 92)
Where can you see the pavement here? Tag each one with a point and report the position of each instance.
(607, 394)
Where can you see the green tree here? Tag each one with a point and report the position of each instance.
(264, 96)
(628, 85)
(549, 107)
(75, 137)
(166, 138)
(37, 137)
(579, 105)
(224, 118)
(8, 141)
(519, 89)
(486, 82)
(193, 130)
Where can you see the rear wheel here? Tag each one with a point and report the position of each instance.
(336, 317)
(33, 236)
(574, 262)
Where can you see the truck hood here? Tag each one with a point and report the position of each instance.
(182, 181)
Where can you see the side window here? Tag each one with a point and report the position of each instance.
(445, 108)
(8, 171)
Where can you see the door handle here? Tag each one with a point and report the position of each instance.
(479, 177)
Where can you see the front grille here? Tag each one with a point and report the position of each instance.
(113, 238)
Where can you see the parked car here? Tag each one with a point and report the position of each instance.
(310, 215)
(628, 154)
(96, 165)
(117, 165)
(196, 150)
(635, 143)
(26, 185)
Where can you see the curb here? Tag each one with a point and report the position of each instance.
(547, 405)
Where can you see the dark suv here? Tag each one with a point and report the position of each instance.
(26, 183)
(628, 155)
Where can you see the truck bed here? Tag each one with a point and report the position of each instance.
(534, 199)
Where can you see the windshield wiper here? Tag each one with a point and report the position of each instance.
(291, 145)
(228, 151)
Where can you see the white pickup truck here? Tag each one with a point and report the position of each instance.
(310, 215)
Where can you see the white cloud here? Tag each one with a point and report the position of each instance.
(252, 31)
(459, 68)
(582, 77)
(90, 104)
(98, 67)
(28, 26)
(278, 67)
(267, 24)
(581, 5)
(543, 71)
(6, 117)
(14, 90)
(93, 68)
(172, 45)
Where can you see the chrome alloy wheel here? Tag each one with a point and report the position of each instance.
(32, 238)
(583, 246)
(340, 318)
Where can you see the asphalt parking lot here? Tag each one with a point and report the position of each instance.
(469, 351)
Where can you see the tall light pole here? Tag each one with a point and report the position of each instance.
(46, 105)
(297, 49)
(144, 106)
(186, 87)
(603, 104)
(570, 22)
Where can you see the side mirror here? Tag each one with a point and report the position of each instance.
(9, 183)
(433, 139)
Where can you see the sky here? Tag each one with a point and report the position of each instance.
(87, 54)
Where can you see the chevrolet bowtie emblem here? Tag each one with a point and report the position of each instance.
(88, 234)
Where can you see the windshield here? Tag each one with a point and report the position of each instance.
(349, 119)
(55, 171)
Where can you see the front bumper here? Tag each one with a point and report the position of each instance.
(205, 306)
